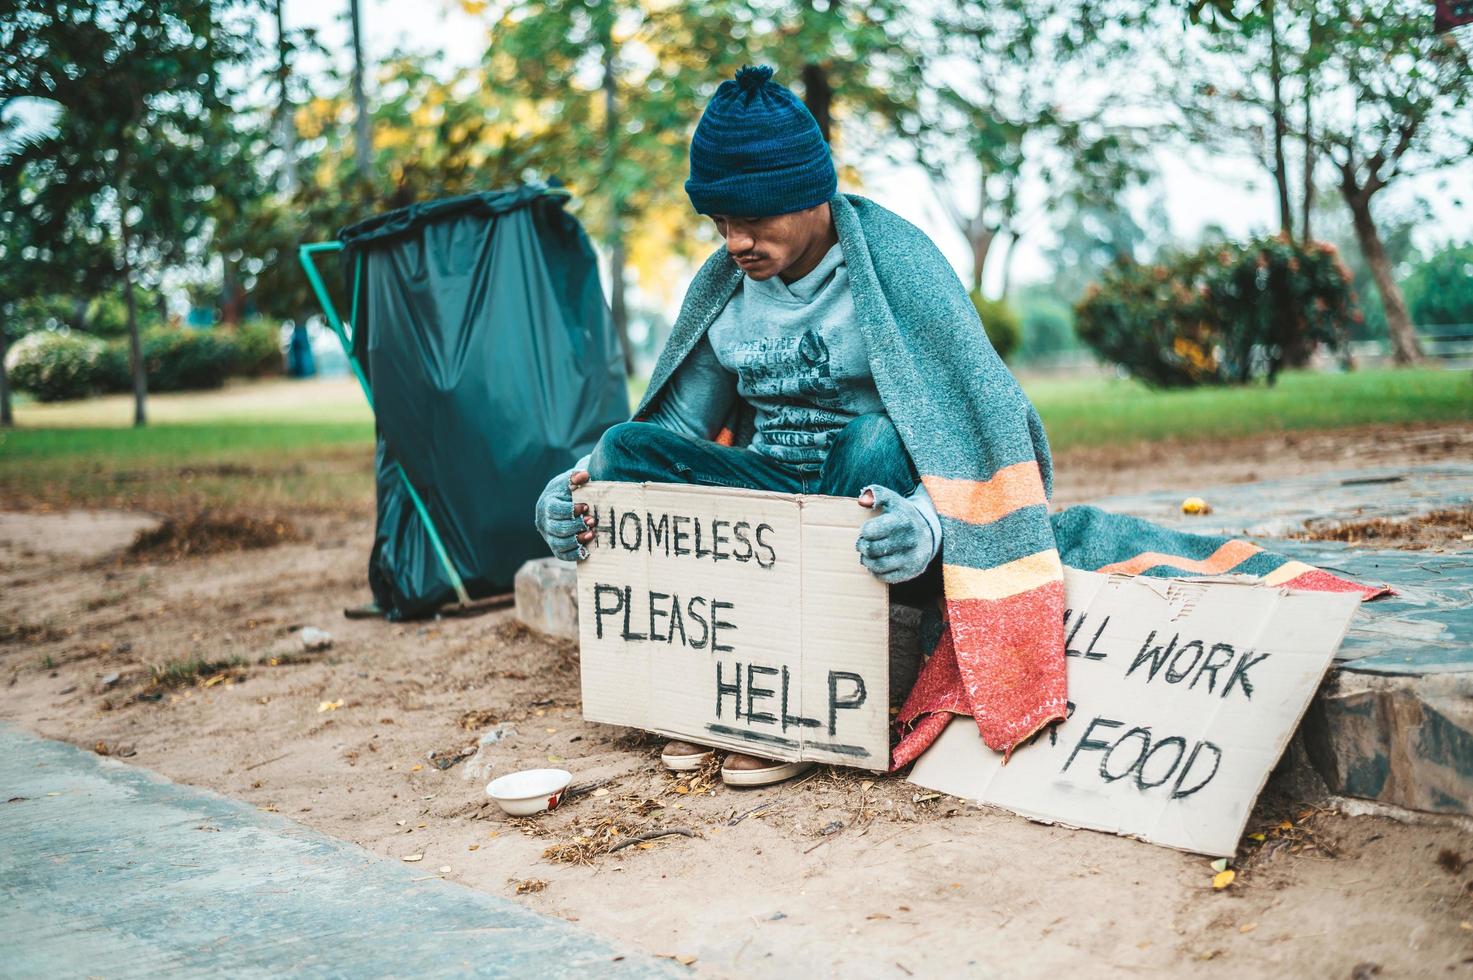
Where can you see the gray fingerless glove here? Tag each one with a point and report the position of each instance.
(898, 543)
(555, 520)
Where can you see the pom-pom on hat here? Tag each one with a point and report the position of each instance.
(757, 151)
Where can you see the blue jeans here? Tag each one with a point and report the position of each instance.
(867, 451)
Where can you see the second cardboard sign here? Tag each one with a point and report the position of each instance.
(1182, 696)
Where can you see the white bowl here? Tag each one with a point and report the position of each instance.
(530, 791)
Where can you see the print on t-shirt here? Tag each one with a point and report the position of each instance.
(784, 367)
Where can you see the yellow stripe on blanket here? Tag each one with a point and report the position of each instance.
(1229, 556)
(1288, 570)
(1013, 578)
(983, 501)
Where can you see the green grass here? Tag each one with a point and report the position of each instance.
(279, 446)
(1095, 412)
(192, 444)
(181, 468)
(269, 446)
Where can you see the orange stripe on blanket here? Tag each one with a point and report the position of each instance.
(983, 501)
(1010, 579)
(1230, 555)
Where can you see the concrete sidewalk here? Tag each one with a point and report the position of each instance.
(109, 870)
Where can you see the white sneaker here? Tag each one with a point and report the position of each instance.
(749, 770)
(680, 756)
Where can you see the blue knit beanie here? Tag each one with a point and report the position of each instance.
(757, 151)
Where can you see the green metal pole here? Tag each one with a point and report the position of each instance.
(304, 254)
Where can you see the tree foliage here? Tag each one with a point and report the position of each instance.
(619, 86)
(1364, 89)
(146, 149)
(1405, 106)
(432, 134)
(1002, 108)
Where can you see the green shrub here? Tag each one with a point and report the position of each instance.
(1225, 314)
(257, 349)
(1001, 323)
(54, 366)
(187, 360)
(114, 370)
(1440, 289)
(1048, 325)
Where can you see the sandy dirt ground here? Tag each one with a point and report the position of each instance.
(191, 666)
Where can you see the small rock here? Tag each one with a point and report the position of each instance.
(315, 639)
(68, 689)
(547, 597)
(108, 680)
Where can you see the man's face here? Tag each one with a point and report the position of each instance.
(765, 247)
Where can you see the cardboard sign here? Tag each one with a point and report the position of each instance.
(735, 618)
(1183, 694)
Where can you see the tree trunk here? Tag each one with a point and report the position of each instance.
(362, 147)
(1007, 262)
(232, 296)
(617, 309)
(1276, 79)
(615, 238)
(981, 239)
(1307, 204)
(7, 417)
(135, 345)
(1404, 346)
(818, 96)
(286, 126)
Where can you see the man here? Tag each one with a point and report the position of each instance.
(829, 348)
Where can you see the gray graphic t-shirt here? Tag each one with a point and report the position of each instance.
(790, 350)
(794, 352)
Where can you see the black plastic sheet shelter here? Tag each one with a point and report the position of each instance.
(482, 338)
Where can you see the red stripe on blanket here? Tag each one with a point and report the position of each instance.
(1000, 661)
(1321, 581)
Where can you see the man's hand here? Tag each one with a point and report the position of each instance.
(564, 525)
(895, 544)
